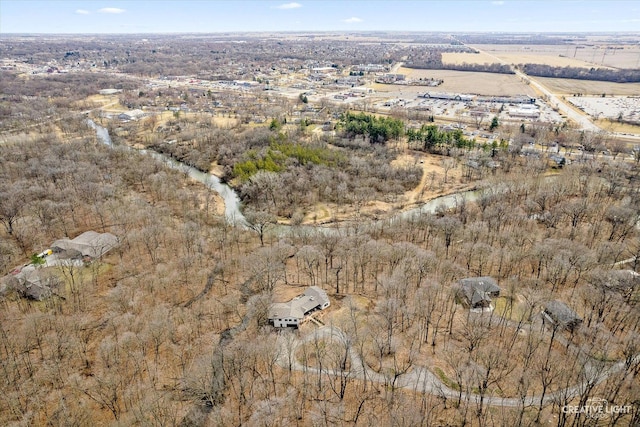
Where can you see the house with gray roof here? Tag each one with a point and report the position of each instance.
(294, 312)
(89, 244)
(33, 282)
(475, 293)
(39, 281)
(558, 315)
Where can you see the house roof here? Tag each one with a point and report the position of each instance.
(89, 243)
(561, 313)
(132, 114)
(311, 298)
(285, 310)
(34, 283)
(622, 280)
(297, 307)
(478, 289)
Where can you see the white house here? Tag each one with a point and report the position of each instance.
(131, 115)
(294, 312)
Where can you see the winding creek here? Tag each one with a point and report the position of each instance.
(232, 203)
(420, 379)
(232, 211)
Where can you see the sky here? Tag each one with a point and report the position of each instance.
(213, 16)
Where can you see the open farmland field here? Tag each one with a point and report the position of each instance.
(588, 87)
(520, 57)
(602, 55)
(468, 82)
(458, 58)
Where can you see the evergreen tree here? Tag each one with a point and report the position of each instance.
(494, 123)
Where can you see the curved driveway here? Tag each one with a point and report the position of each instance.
(420, 378)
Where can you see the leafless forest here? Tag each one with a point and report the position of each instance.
(171, 328)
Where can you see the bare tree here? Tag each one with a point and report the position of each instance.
(13, 200)
(260, 221)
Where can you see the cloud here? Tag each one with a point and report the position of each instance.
(352, 20)
(287, 6)
(82, 12)
(111, 10)
(497, 3)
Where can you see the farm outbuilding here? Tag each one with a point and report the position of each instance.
(131, 115)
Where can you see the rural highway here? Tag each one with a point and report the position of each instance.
(553, 100)
(583, 121)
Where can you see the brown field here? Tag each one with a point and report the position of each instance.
(588, 87)
(107, 103)
(600, 54)
(613, 126)
(468, 82)
(513, 58)
(469, 58)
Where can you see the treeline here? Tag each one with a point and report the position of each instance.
(480, 68)
(281, 152)
(433, 140)
(377, 129)
(578, 73)
(429, 138)
(433, 61)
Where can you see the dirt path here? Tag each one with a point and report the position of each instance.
(432, 184)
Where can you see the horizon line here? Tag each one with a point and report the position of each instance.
(319, 32)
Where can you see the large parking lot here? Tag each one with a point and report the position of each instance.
(610, 107)
(465, 110)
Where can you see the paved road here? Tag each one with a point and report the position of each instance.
(582, 119)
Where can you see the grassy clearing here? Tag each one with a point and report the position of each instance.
(588, 87)
(516, 313)
(613, 126)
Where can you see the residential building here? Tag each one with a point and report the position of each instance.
(294, 312)
(475, 293)
(89, 244)
(559, 315)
